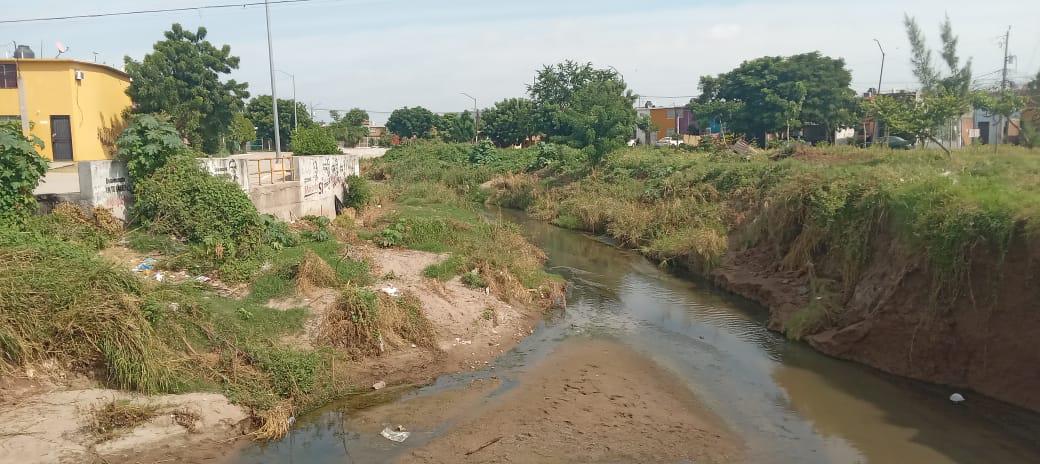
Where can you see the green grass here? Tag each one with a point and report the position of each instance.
(446, 269)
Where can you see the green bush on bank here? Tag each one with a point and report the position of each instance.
(314, 141)
(21, 169)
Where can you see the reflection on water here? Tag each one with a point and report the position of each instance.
(790, 403)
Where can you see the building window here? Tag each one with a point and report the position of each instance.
(8, 76)
(9, 118)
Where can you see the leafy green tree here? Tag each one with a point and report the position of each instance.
(349, 128)
(314, 141)
(770, 94)
(1031, 113)
(148, 143)
(510, 121)
(457, 127)
(21, 168)
(261, 111)
(647, 125)
(922, 117)
(182, 78)
(415, 122)
(242, 131)
(583, 107)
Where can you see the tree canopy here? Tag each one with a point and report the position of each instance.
(772, 93)
(582, 106)
(510, 121)
(416, 122)
(261, 112)
(457, 127)
(349, 128)
(182, 79)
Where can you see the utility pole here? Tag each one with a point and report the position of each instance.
(877, 121)
(1003, 85)
(274, 92)
(296, 121)
(476, 117)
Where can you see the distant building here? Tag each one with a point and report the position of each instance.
(374, 134)
(673, 121)
(75, 107)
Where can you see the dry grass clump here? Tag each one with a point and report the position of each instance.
(367, 323)
(313, 272)
(106, 222)
(117, 416)
(275, 422)
(513, 190)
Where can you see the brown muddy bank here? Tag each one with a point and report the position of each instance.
(978, 336)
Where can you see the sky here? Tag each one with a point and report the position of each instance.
(382, 55)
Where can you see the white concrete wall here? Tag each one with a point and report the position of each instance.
(105, 183)
(233, 168)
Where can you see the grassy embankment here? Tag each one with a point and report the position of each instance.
(60, 300)
(821, 211)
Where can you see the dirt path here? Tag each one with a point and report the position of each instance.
(589, 401)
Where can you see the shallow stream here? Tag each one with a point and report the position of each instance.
(788, 402)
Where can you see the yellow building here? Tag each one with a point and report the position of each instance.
(76, 108)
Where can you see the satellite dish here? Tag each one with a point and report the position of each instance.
(62, 48)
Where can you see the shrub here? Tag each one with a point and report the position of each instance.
(358, 193)
(183, 200)
(314, 141)
(20, 171)
(149, 143)
(482, 152)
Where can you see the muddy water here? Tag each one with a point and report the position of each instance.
(789, 403)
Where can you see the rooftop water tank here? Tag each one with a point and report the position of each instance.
(24, 52)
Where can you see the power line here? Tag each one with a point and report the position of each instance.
(157, 10)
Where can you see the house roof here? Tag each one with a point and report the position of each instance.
(76, 63)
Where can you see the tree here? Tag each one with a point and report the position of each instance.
(148, 143)
(647, 125)
(584, 107)
(416, 122)
(314, 141)
(958, 79)
(260, 110)
(21, 168)
(457, 127)
(350, 128)
(770, 94)
(510, 121)
(242, 131)
(922, 117)
(1031, 113)
(182, 78)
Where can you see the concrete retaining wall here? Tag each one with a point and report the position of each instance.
(317, 186)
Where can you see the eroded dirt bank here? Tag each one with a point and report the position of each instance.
(46, 414)
(589, 401)
(979, 335)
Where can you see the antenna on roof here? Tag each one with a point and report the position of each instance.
(62, 48)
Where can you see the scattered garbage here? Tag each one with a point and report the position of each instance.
(202, 279)
(159, 276)
(390, 290)
(956, 397)
(379, 385)
(395, 433)
(291, 420)
(147, 265)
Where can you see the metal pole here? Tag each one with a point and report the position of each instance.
(1003, 85)
(274, 92)
(295, 106)
(476, 116)
(877, 121)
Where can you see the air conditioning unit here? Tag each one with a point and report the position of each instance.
(80, 75)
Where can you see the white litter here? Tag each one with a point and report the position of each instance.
(398, 433)
(390, 290)
(956, 397)
(202, 279)
(159, 276)
(379, 385)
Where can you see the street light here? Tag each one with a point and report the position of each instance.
(476, 116)
(274, 92)
(296, 122)
(877, 125)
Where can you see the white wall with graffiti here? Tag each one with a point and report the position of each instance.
(105, 184)
(325, 176)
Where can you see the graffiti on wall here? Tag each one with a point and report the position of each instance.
(105, 184)
(324, 176)
(230, 168)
